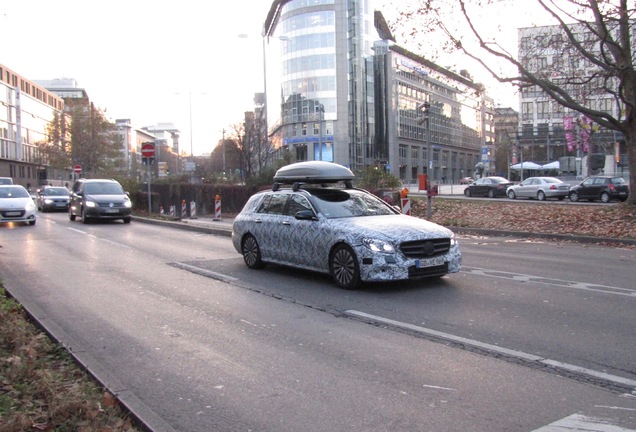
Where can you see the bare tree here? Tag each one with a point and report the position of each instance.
(94, 141)
(594, 36)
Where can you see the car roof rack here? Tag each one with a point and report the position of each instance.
(314, 173)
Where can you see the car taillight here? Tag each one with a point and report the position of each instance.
(612, 187)
(553, 187)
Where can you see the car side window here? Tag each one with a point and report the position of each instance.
(297, 203)
(273, 204)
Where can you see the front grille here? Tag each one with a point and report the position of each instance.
(8, 214)
(425, 248)
(114, 205)
(434, 271)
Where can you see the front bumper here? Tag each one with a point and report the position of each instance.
(391, 267)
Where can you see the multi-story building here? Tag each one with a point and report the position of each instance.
(28, 112)
(506, 125)
(547, 130)
(351, 96)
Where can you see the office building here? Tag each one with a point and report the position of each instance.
(28, 114)
(339, 89)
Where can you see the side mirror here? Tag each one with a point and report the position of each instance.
(305, 215)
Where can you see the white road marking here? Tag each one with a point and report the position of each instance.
(208, 273)
(583, 423)
(519, 277)
(493, 348)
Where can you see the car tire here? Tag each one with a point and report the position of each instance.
(574, 197)
(71, 216)
(251, 253)
(85, 219)
(605, 197)
(127, 220)
(344, 268)
(31, 223)
(467, 193)
(541, 195)
(491, 193)
(512, 195)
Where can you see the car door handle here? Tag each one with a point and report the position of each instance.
(257, 221)
(286, 223)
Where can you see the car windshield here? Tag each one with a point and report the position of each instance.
(13, 192)
(334, 204)
(103, 189)
(55, 191)
(618, 180)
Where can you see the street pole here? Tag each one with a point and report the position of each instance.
(148, 176)
(223, 151)
(321, 110)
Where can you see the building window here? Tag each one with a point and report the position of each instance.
(543, 109)
(527, 110)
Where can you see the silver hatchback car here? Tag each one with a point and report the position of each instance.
(346, 232)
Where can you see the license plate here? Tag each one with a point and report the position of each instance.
(112, 211)
(13, 213)
(430, 262)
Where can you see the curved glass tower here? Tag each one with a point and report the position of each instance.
(325, 73)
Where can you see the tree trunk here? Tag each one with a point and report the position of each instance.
(630, 144)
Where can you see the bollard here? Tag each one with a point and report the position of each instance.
(405, 201)
(172, 210)
(406, 206)
(193, 210)
(161, 210)
(183, 209)
(217, 207)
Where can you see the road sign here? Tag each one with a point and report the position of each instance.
(77, 169)
(148, 150)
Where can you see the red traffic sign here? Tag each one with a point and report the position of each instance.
(77, 169)
(147, 150)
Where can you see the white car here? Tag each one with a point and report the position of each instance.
(16, 205)
(539, 188)
(322, 226)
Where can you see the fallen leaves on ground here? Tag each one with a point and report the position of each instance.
(607, 221)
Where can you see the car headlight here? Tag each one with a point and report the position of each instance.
(453, 239)
(376, 245)
(48, 201)
(91, 204)
(128, 204)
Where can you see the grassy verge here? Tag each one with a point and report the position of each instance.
(41, 386)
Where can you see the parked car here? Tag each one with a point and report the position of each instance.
(320, 225)
(540, 188)
(16, 205)
(466, 180)
(6, 181)
(604, 188)
(488, 186)
(53, 198)
(99, 199)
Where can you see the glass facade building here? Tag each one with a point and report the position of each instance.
(339, 89)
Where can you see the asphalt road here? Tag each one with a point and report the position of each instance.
(530, 336)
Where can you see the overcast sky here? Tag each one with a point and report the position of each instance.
(145, 60)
